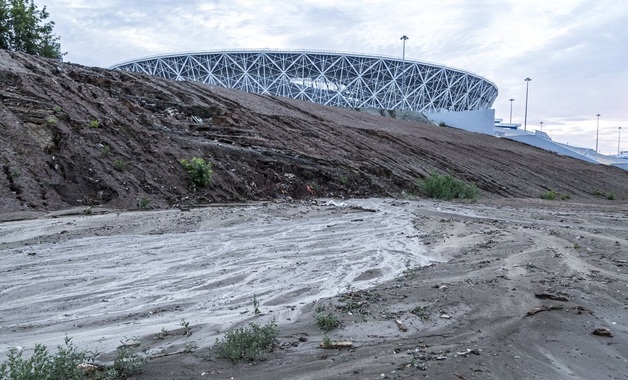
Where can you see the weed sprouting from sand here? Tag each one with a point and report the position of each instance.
(187, 331)
(610, 197)
(248, 343)
(410, 271)
(326, 342)
(94, 123)
(422, 312)
(189, 347)
(445, 186)
(126, 362)
(327, 322)
(256, 305)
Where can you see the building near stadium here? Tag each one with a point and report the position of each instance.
(332, 78)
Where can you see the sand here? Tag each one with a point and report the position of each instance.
(502, 289)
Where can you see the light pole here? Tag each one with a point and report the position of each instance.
(618, 140)
(525, 118)
(403, 38)
(597, 133)
(541, 126)
(511, 100)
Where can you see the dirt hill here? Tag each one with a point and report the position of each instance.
(75, 135)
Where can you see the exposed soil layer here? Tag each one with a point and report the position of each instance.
(74, 135)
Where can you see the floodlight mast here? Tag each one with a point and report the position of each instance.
(404, 38)
(597, 133)
(525, 118)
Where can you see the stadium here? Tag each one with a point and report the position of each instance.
(329, 78)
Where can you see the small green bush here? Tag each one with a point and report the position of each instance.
(248, 343)
(15, 173)
(199, 170)
(51, 120)
(610, 197)
(549, 195)
(445, 186)
(327, 322)
(119, 165)
(94, 124)
(144, 203)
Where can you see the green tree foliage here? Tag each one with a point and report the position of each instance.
(23, 27)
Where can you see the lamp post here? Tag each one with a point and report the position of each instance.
(541, 126)
(511, 100)
(618, 140)
(403, 38)
(597, 133)
(525, 118)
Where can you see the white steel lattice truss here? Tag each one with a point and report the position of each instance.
(336, 79)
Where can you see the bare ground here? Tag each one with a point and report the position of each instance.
(523, 286)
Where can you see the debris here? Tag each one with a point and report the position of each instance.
(553, 297)
(401, 326)
(536, 310)
(445, 316)
(89, 368)
(336, 344)
(129, 345)
(602, 332)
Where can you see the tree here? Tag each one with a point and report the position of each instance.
(23, 27)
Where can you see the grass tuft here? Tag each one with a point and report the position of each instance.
(327, 322)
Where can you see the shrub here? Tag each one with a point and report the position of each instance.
(549, 195)
(44, 365)
(68, 363)
(94, 124)
(51, 120)
(327, 322)
(199, 170)
(144, 203)
(248, 343)
(445, 186)
(119, 165)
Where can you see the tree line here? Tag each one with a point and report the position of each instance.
(25, 28)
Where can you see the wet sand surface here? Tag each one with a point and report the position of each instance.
(100, 278)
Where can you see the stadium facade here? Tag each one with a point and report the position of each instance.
(329, 78)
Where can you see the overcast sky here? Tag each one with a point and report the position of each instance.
(575, 51)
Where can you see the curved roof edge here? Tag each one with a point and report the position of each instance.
(299, 51)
